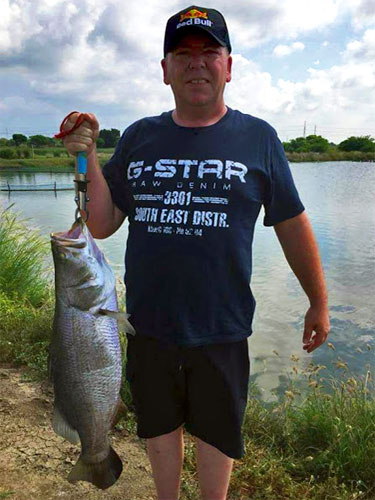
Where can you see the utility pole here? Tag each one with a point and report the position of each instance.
(304, 129)
(315, 130)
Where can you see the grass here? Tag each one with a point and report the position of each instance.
(318, 446)
(38, 164)
(335, 155)
(46, 159)
(26, 299)
(21, 260)
(6, 494)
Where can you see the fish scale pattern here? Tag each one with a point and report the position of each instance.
(85, 348)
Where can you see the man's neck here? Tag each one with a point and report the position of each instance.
(198, 117)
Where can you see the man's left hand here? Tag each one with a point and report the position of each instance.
(317, 327)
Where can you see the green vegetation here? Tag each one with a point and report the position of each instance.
(6, 494)
(317, 148)
(365, 144)
(26, 301)
(319, 446)
(47, 159)
(21, 260)
(108, 138)
(331, 155)
(45, 153)
(309, 144)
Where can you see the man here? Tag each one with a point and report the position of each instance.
(192, 183)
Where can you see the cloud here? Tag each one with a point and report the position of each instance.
(362, 12)
(341, 94)
(37, 33)
(257, 22)
(286, 50)
(362, 50)
(104, 57)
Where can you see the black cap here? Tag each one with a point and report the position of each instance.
(193, 18)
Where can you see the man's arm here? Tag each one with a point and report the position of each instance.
(104, 217)
(301, 251)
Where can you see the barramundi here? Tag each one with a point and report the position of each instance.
(85, 355)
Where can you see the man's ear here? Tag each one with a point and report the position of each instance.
(164, 65)
(229, 69)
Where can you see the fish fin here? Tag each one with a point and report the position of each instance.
(121, 411)
(62, 428)
(102, 474)
(122, 319)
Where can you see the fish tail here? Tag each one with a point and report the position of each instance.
(103, 474)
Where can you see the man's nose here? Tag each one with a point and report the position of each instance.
(197, 61)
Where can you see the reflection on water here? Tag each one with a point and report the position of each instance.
(339, 201)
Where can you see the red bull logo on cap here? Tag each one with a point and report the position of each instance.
(193, 14)
(194, 17)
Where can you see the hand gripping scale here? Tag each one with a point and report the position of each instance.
(80, 180)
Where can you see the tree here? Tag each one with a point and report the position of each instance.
(362, 143)
(40, 140)
(7, 153)
(100, 142)
(110, 137)
(317, 144)
(19, 139)
(311, 143)
(298, 144)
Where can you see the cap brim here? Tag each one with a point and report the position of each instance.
(191, 29)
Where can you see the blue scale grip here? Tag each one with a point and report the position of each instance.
(81, 163)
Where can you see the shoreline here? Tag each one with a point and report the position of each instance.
(55, 165)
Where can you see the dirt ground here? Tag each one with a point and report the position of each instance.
(35, 462)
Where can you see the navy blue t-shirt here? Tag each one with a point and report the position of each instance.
(192, 196)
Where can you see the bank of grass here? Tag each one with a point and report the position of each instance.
(21, 260)
(333, 155)
(57, 160)
(321, 447)
(49, 159)
(43, 164)
(25, 296)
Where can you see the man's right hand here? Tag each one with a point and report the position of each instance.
(84, 137)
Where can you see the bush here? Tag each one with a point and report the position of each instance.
(309, 144)
(25, 333)
(22, 251)
(363, 143)
(7, 153)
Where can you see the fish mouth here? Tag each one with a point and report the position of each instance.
(77, 240)
(73, 238)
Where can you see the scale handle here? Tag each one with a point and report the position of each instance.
(81, 183)
(81, 163)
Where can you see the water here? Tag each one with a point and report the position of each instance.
(338, 198)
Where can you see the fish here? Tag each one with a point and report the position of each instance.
(85, 355)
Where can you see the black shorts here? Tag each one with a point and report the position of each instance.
(203, 387)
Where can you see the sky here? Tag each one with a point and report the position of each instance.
(301, 65)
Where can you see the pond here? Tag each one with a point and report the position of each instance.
(339, 199)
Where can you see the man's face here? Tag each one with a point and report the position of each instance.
(197, 70)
